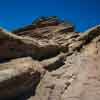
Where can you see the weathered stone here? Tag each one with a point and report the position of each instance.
(18, 77)
(13, 46)
(39, 43)
(78, 78)
(63, 64)
(53, 63)
(46, 22)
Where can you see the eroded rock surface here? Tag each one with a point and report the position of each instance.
(47, 60)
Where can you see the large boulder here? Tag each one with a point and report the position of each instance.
(18, 77)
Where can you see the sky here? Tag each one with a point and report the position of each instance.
(17, 13)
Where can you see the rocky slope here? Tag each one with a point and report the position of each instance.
(48, 60)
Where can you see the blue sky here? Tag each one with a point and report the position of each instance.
(82, 13)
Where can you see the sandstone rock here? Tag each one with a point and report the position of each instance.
(39, 43)
(17, 77)
(62, 64)
(45, 22)
(77, 79)
(53, 63)
(13, 46)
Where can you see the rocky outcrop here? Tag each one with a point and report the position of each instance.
(17, 77)
(42, 22)
(49, 61)
(78, 78)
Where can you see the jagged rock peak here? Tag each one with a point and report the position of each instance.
(49, 19)
(46, 21)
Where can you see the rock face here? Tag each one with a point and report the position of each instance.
(47, 60)
(16, 77)
(40, 42)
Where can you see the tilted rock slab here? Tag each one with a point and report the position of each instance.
(17, 77)
(39, 43)
(78, 78)
(63, 64)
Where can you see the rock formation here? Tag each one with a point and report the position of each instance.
(48, 60)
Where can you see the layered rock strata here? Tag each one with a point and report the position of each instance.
(48, 60)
